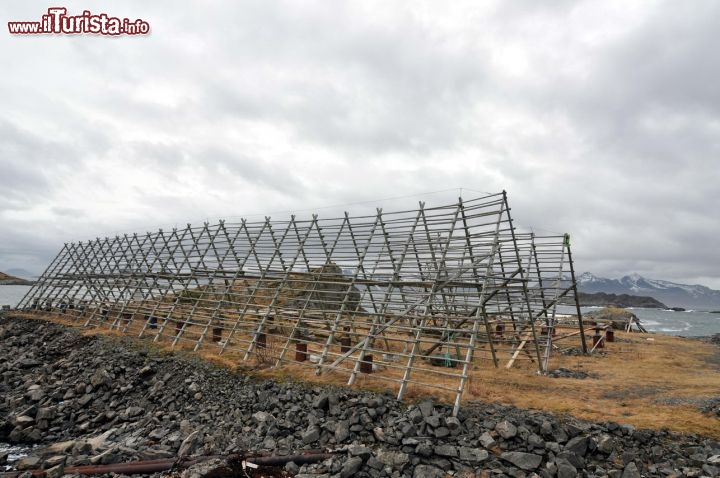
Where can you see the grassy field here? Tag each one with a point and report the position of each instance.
(647, 380)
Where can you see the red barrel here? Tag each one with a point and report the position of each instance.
(262, 340)
(344, 344)
(178, 327)
(597, 341)
(300, 352)
(217, 334)
(366, 364)
(610, 335)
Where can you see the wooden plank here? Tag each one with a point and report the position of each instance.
(518, 350)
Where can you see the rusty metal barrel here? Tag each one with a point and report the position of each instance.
(301, 352)
(366, 364)
(217, 334)
(610, 334)
(344, 344)
(598, 341)
(261, 340)
(499, 329)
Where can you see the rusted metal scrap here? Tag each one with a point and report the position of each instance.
(235, 464)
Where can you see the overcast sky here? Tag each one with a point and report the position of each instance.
(599, 118)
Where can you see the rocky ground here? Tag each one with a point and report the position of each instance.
(91, 400)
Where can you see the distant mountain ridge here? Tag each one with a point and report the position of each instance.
(21, 274)
(670, 293)
(603, 299)
(6, 279)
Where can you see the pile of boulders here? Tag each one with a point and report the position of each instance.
(104, 400)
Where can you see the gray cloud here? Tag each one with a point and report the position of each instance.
(600, 120)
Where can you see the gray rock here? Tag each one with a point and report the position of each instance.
(446, 450)
(452, 423)
(631, 471)
(134, 411)
(433, 421)
(577, 445)
(605, 444)
(407, 429)
(374, 463)
(188, 444)
(45, 413)
(263, 417)
(351, 467)
(292, 468)
(27, 462)
(711, 470)
(575, 460)
(55, 472)
(392, 459)
(552, 446)
(101, 378)
(487, 440)
(424, 449)
(506, 429)
(426, 408)
(322, 402)
(565, 469)
(559, 435)
(311, 434)
(54, 461)
(342, 432)
(535, 441)
(212, 467)
(360, 450)
(546, 428)
(472, 455)
(524, 461)
(24, 421)
(428, 471)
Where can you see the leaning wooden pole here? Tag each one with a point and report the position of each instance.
(575, 294)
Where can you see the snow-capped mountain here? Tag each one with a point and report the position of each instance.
(670, 293)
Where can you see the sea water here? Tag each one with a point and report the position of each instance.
(12, 294)
(690, 323)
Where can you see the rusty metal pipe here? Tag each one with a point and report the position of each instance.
(154, 466)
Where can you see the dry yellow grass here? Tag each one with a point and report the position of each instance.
(640, 376)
